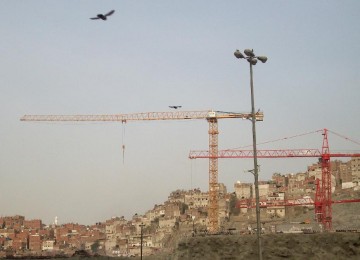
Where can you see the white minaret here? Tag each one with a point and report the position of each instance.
(56, 221)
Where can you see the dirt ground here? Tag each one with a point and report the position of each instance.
(275, 246)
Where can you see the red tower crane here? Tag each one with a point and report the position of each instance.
(210, 115)
(323, 200)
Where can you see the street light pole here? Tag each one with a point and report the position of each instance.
(256, 172)
(252, 59)
(141, 240)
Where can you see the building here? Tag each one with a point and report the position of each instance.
(14, 222)
(275, 205)
(35, 243)
(264, 189)
(355, 170)
(32, 224)
(243, 190)
(48, 245)
(197, 199)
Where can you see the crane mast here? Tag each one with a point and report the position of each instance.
(326, 209)
(210, 115)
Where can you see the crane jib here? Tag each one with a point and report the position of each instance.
(180, 115)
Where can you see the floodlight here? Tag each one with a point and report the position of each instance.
(252, 61)
(239, 55)
(249, 52)
(263, 59)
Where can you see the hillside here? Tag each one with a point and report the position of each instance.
(275, 246)
(291, 246)
(279, 246)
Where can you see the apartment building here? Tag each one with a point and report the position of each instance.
(196, 199)
(355, 170)
(33, 224)
(275, 207)
(243, 190)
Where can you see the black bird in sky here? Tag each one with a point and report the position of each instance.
(175, 107)
(103, 16)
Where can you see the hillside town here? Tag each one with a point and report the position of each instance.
(184, 213)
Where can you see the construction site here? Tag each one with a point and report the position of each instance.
(327, 214)
(109, 107)
(256, 216)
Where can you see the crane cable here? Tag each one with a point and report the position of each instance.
(346, 138)
(123, 140)
(276, 140)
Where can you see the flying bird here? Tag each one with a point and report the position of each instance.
(175, 107)
(103, 16)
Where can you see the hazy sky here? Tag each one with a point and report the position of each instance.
(147, 56)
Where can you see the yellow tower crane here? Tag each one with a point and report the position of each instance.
(210, 115)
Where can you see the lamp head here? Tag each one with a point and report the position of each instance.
(252, 61)
(249, 52)
(263, 59)
(239, 55)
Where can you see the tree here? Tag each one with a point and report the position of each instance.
(233, 209)
(95, 246)
(183, 208)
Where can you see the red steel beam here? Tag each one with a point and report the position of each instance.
(247, 154)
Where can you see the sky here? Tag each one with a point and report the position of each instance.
(147, 56)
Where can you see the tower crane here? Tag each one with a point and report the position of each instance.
(323, 200)
(210, 115)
